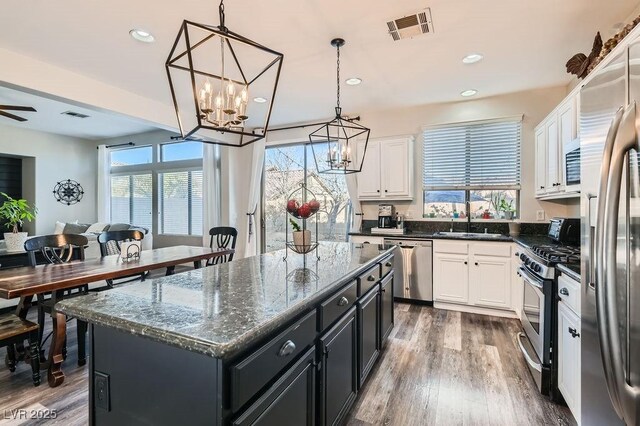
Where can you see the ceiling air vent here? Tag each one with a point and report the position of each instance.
(74, 114)
(411, 26)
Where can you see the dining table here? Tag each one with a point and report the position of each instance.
(26, 283)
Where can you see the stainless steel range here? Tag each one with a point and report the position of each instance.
(537, 270)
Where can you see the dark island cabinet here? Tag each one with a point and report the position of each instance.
(369, 335)
(386, 304)
(290, 401)
(338, 369)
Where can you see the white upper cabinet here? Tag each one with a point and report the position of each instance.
(554, 137)
(387, 171)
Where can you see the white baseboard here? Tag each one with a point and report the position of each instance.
(475, 310)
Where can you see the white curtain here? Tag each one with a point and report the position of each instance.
(104, 185)
(257, 164)
(356, 208)
(211, 197)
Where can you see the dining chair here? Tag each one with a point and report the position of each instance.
(14, 331)
(58, 249)
(222, 237)
(109, 242)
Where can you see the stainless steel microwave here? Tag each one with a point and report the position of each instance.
(572, 166)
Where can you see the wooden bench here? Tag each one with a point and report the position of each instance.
(13, 331)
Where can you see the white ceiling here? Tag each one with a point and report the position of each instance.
(525, 44)
(49, 118)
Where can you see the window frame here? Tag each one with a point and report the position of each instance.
(468, 188)
(156, 168)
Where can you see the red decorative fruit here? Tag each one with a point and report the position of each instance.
(304, 211)
(292, 206)
(314, 205)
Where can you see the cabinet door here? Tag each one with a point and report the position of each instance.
(541, 160)
(490, 281)
(369, 177)
(451, 278)
(567, 119)
(396, 168)
(386, 308)
(569, 356)
(291, 400)
(553, 155)
(369, 332)
(339, 369)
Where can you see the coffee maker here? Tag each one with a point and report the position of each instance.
(386, 216)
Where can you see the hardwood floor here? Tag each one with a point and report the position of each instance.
(450, 368)
(439, 368)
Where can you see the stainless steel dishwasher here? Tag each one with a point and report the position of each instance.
(417, 270)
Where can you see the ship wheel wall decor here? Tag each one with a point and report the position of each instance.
(68, 192)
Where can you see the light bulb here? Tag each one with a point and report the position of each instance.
(238, 101)
(231, 88)
(245, 95)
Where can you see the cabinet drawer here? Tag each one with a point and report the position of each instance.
(251, 374)
(332, 308)
(492, 249)
(454, 247)
(386, 266)
(368, 279)
(569, 292)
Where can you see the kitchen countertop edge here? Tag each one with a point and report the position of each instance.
(427, 236)
(570, 272)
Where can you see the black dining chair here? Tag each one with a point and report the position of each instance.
(58, 249)
(109, 242)
(13, 332)
(222, 237)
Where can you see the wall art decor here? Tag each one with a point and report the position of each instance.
(68, 192)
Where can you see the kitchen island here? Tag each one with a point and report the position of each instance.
(257, 340)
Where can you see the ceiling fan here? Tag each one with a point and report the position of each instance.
(4, 108)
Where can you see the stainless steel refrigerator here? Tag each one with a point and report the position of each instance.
(610, 210)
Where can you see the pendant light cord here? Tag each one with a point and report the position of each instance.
(338, 77)
(221, 13)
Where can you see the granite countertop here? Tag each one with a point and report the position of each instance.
(222, 310)
(572, 270)
(435, 236)
(534, 240)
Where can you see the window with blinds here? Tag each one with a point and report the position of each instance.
(181, 202)
(478, 155)
(472, 170)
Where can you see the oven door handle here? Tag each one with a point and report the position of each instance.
(536, 366)
(530, 278)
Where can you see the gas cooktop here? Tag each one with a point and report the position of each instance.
(557, 253)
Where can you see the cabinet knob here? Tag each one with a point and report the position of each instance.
(542, 187)
(564, 291)
(377, 190)
(343, 301)
(287, 348)
(388, 264)
(476, 263)
(386, 190)
(383, 290)
(465, 262)
(574, 333)
(371, 278)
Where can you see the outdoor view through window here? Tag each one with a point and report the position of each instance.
(287, 167)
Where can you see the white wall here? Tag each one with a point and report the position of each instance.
(52, 158)
(534, 105)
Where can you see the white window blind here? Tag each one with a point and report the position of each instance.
(474, 155)
(131, 200)
(181, 198)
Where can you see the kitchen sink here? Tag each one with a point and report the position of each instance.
(469, 234)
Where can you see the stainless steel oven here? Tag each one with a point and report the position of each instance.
(533, 306)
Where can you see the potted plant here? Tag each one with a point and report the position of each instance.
(508, 209)
(301, 239)
(15, 212)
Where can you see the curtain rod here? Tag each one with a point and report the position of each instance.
(117, 145)
(302, 126)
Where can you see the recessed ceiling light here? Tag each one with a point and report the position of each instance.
(354, 81)
(472, 58)
(142, 35)
(259, 100)
(470, 92)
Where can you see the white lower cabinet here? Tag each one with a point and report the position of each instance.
(477, 274)
(365, 239)
(451, 273)
(569, 357)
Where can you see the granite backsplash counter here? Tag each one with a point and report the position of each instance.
(221, 310)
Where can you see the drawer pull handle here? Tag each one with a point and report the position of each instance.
(564, 291)
(574, 333)
(287, 349)
(476, 263)
(388, 264)
(371, 278)
(343, 301)
(383, 290)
